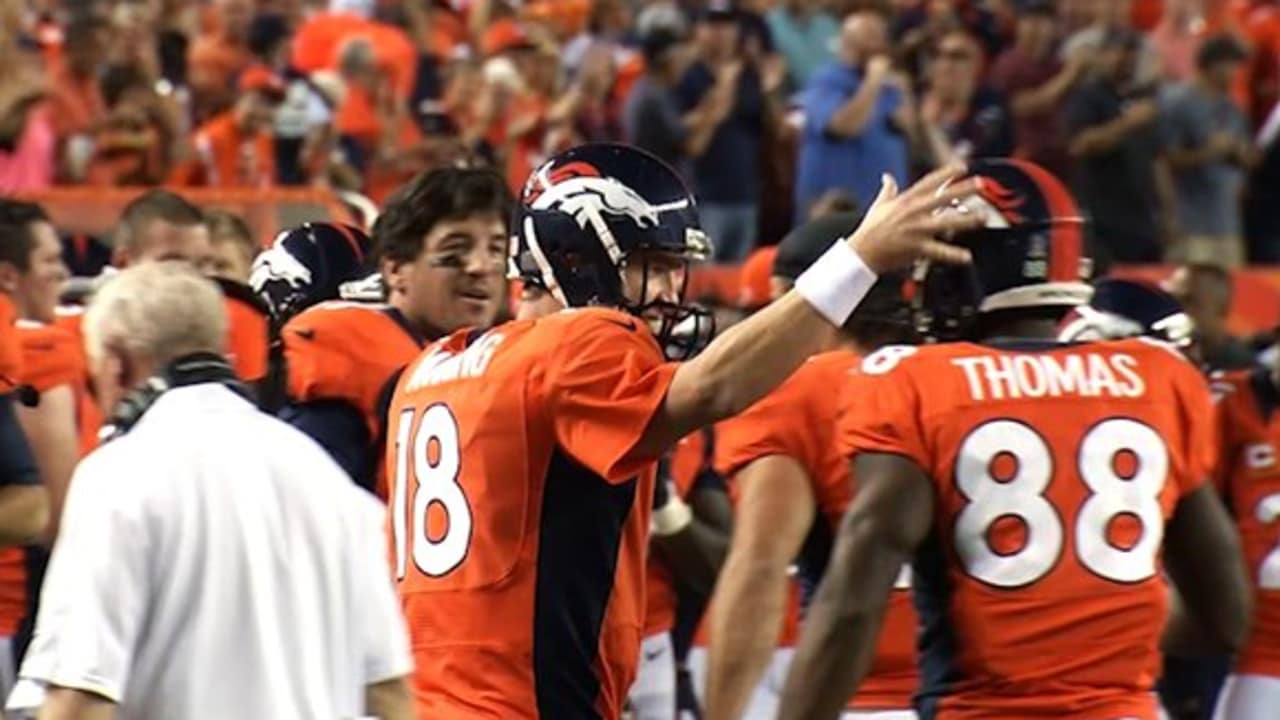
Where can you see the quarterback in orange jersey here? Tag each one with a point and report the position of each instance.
(522, 458)
(441, 244)
(792, 487)
(690, 551)
(1040, 490)
(1249, 479)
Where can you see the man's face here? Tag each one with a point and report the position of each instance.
(1036, 32)
(956, 64)
(862, 37)
(536, 302)
(230, 261)
(719, 37)
(1222, 75)
(39, 287)
(459, 278)
(650, 277)
(163, 240)
(256, 111)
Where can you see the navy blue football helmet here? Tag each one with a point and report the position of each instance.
(1129, 308)
(586, 211)
(1029, 254)
(309, 264)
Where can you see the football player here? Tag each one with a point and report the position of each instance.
(1123, 308)
(1040, 489)
(1249, 480)
(441, 247)
(521, 459)
(31, 275)
(690, 552)
(792, 487)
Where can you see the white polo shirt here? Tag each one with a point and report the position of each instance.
(215, 563)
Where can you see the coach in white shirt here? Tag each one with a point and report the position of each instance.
(213, 562)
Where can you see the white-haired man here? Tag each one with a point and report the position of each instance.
(213, 561)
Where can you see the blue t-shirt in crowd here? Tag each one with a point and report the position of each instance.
(828, 161)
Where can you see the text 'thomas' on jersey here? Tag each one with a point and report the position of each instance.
(1055, 469)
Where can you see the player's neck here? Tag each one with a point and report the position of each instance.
(1028, 328)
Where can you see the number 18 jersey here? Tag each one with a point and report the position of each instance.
(519, 514)
(1055, 468)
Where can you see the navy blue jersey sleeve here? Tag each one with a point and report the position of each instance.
(17, 464)
(340, 429)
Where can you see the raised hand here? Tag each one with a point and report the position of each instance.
(903, 227)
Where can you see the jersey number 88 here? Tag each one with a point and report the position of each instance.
(1022, 495)
(428, 456)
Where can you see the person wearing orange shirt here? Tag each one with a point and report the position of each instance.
(235, 148)
(1248, 478)
(31, 275)
(441, 247)
(1046, 493)
(222, 52)
(522, 460)
(685, 558)
(792, 488)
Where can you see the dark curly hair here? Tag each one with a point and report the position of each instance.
(16, 240)
(433, 196)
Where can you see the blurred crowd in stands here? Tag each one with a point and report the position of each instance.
(1161, 114)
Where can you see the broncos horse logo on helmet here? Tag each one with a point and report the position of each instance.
(1129, 308)
(1027, 256)
(308, 264)
(585, 212)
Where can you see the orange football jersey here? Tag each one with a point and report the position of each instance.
(248, 337)
(519, 515)
(88, 414)
(347, 351)
(687, 460)
(50, 358)
(10, 346)
(1055, 468)
(1249, 479)
(798, 420)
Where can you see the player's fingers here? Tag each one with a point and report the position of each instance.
(941, 252)
(946, 223)
(888, 191)
(944, 196)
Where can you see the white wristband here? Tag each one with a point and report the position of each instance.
(671, 518)
(836, 283)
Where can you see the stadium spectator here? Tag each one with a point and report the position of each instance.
(1114, 141)
(962, 118)
(234, 245)
(1177, 38)
(1037, 83)
(221, 53)
(160, 515)
(133, 143)
(805, 34)
(75, 95)
(1106, 18)
(1209, 149)
(235, 148)
(856, 111)
(726, 174)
